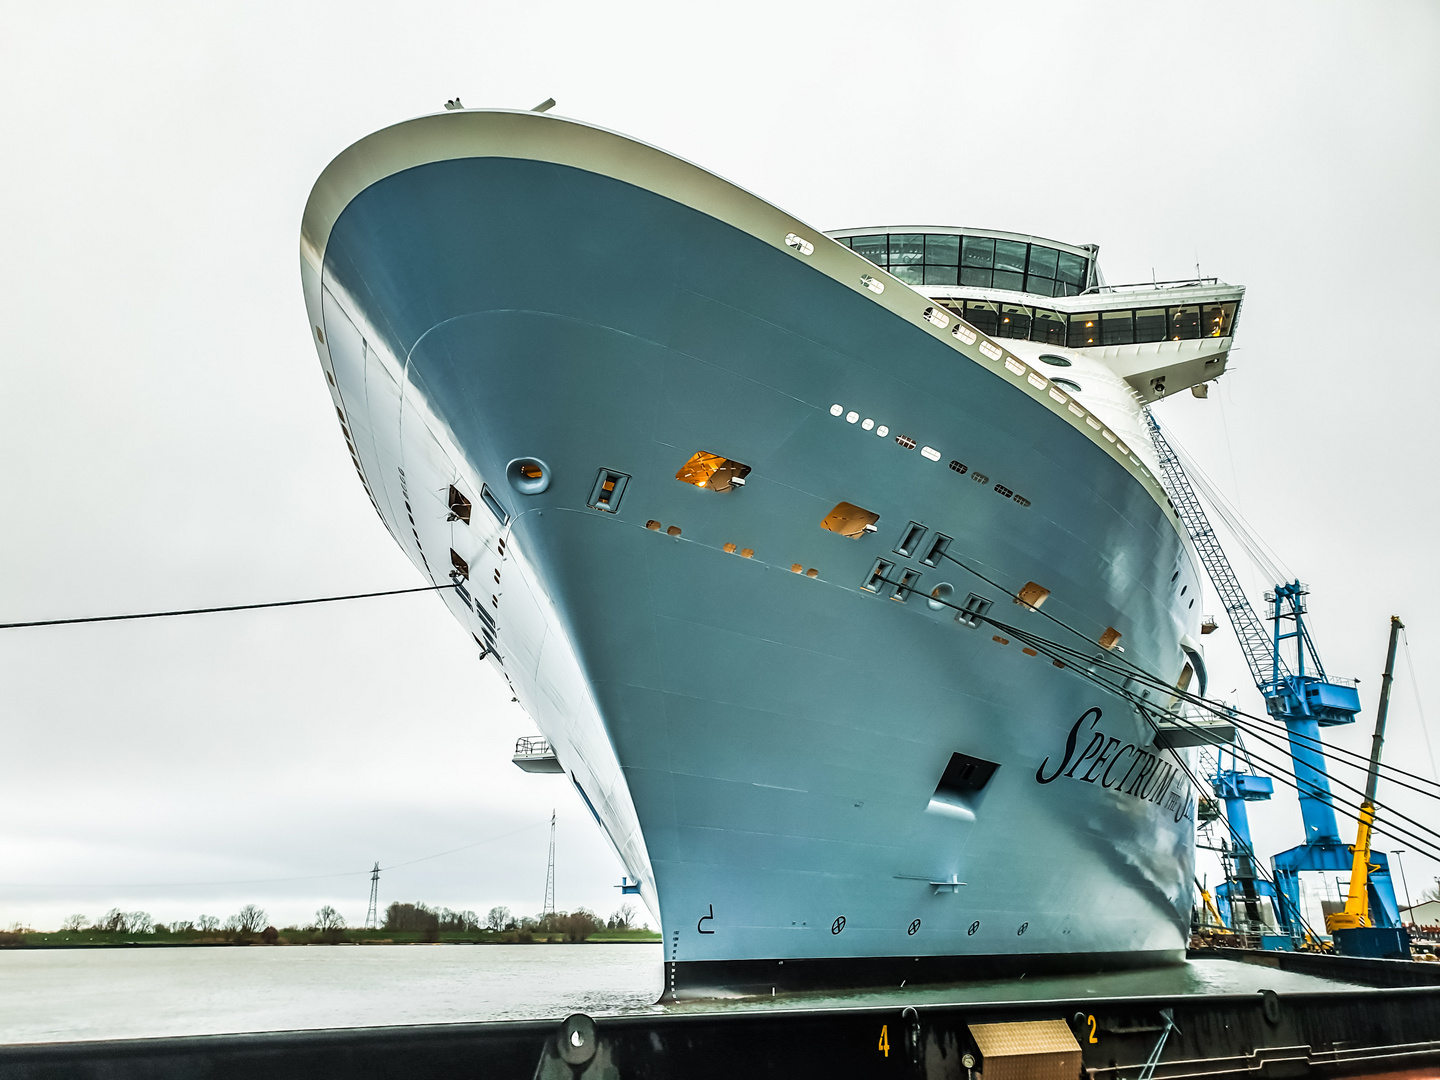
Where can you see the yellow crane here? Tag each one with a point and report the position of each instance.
(1357, 901)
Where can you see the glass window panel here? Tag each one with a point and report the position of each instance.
(970, 275)
(1070, 269)
(1048, 326)
(977, 251)
(1184, 323)
(1084, 330)
(907, 248)
(1117, 328)
(942, 275)
(1040, 286)
(1064, 288)
(1014, 321)
(845, 240)
(1010, 255)
(1042, 261)
(1005, 279)
(1218, 319)
(1150, 324)
(942, 250)
(910, 273)
(871, 247)
(982, 315)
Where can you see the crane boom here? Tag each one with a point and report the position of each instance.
(1254, 639)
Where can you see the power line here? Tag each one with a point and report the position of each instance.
(1139, 674)
(228, 607)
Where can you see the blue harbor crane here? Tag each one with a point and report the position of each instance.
(1304, 699)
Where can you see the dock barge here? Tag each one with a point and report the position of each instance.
(1225, 1013)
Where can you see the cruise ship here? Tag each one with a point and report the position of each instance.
(767, 529)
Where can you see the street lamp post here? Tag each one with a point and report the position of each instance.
(1408, 905)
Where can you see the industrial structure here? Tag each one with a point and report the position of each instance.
(1298, 694)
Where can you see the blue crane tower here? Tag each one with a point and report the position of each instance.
(1299, 695)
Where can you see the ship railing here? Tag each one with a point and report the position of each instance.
(1176, 283)
(532, 746)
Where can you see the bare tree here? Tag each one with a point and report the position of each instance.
(248, 920)
(74, 922)
(327, 918)
(498, 918)
(113, 920)
(623, 919)
(139, 922)
(207, 923)
(182, 926)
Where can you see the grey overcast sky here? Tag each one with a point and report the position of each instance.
(167, 440)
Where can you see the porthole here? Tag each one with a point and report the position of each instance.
(528, 476)
(1054, 361)
(1069, 384)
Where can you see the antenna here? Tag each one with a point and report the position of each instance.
(549, 907)
(372, 918)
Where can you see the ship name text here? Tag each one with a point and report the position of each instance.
(1122, 767)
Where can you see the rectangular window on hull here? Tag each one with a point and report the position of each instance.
(459, 506)
(713, 472)
(609, 487)
(488, 498)
(965, 775)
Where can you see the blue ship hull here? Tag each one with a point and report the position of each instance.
(765, 748)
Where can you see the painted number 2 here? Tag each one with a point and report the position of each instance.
(885, 1039)
(1090, 1020)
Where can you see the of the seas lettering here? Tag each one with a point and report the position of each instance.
(1125, 768)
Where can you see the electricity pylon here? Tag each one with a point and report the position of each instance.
(549, 908)
(372, 916)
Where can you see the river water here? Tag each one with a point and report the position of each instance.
(56, 995)
(49, 995)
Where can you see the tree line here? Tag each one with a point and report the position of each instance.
(251, 923)
(577, 925)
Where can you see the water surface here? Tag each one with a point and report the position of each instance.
(50, 995)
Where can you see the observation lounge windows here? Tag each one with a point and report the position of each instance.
(942, 275)
(1218, 320)
(1184, 323)
(907, 256)
(1150, 325)
(1070, 274)
(1009, 265)
(1117, 328)
(1040, 274)
(1014, 321)
(977, 261)
(984, 316)
(872, 248)
(987, 262)
(1049, 327)
(1084, 330)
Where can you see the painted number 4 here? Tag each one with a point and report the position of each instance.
(885, 1039)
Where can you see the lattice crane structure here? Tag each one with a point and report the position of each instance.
(1297, 694)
